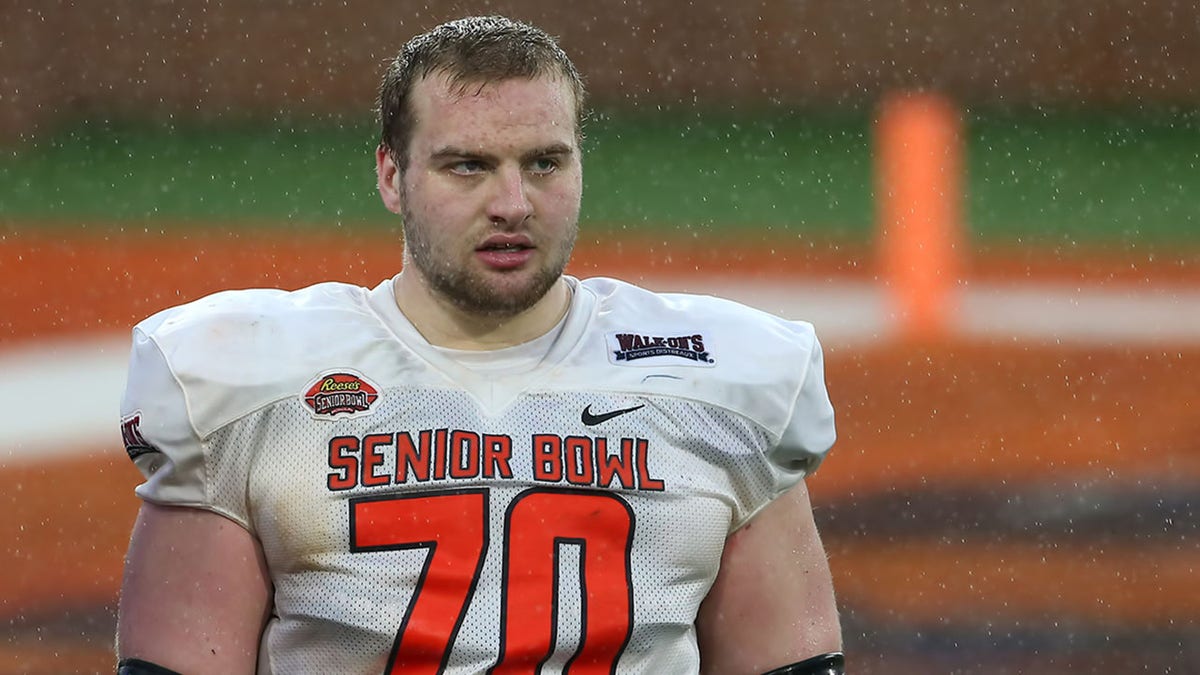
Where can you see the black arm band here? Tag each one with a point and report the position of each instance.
(832, 663)
(140, 667)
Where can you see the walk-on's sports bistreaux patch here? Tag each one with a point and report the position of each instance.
(637, 349)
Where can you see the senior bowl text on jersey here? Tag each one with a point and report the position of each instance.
(456, 454)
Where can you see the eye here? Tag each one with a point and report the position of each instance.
(543, 166)
(468, 167)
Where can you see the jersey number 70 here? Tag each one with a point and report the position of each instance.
(453, 525)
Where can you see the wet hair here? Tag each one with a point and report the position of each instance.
(469, 51)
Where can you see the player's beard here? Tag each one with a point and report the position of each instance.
(469, 290)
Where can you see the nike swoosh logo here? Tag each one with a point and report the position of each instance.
(591, 419)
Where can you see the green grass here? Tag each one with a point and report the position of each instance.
(1042, 177)
(785, 173)
(160, 174)
(1085, 177)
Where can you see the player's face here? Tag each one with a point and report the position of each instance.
(490, 198)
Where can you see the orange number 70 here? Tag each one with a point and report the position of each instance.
(453, 526)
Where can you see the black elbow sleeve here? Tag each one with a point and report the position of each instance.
(833, 663)
(140, 667)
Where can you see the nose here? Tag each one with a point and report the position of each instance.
(509, 205)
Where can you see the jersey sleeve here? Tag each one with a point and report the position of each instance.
(161, 439)
(809, 433)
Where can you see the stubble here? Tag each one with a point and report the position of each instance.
(476, 292)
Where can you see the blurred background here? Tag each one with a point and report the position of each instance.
(989, 211)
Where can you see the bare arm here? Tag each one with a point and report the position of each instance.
(772, 603)
(196, 592)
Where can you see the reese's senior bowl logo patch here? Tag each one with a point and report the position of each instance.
(341, 392)
(638, 349)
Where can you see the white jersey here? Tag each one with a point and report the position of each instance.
(418, 517)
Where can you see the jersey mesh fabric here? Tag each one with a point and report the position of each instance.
(339, 611)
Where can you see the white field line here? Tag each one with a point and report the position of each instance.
(62, 396)
(852, 313)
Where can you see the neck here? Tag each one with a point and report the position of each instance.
(444, 324)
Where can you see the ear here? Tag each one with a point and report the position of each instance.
(387, 176)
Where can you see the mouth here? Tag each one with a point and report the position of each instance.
(505, 254)
(504, 248)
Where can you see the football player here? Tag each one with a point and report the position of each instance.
(481, 464)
